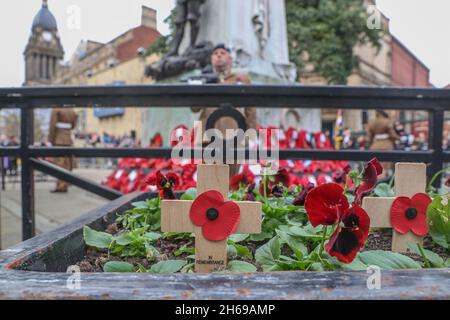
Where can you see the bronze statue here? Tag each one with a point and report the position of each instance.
(196, 55)
(186, 11)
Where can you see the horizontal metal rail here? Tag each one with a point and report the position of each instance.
(262, 96)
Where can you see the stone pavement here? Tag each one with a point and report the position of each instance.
(52, 210)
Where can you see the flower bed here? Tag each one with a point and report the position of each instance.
(304, 228)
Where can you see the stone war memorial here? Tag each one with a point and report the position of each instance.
(242, 193)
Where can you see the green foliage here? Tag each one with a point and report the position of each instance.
(384, 190)
(288, 241)
(97, 239)
(167, 266)
(241, 266)
(438, 217)
(431, 259)
(268, 254)
(143, 214)
(387, 260)
(190, 194)
(118, 266)
(324, 33)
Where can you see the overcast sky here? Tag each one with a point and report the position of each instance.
(423, 26)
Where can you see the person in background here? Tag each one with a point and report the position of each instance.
(222, 62)
(382, 136)
(62, 122)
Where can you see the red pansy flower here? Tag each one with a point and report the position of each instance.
(301, 198)
(410, 214)
(370, 178)
(217, 217)
(447, 183)
(245, 178)
(166, 184)
(249, 194)
(350, 235)
(282, 177)
(327, 205)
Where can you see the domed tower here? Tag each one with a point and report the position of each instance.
(44, 50)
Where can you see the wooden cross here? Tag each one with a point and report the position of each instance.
(209, 255)
(410, 179)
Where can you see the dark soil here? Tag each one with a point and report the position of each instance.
(95, 259)
(382, 240)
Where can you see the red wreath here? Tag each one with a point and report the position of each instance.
(218, 219)
(410, 214)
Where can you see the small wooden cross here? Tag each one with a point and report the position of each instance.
(209, 255)
(410, 179)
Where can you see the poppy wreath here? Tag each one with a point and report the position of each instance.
(217, 217)
(410, 214)
(327, 205)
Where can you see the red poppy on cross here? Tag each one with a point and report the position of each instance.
(406, 216)
(211, 218)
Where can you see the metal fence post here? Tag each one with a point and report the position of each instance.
(27, 173)
(436, 129)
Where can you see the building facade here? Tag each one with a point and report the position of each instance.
(120, 61)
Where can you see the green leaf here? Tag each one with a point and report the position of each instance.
(190, 194)
(183, 250)
(435, 260)
(296, 245)
(438, 217)
(241, 266)
(152, 236)
(261, 236)
(97, 239)
(167, 266)
(188, 268)
(355, 265)
(267, 254)
(118, 266)
(238, 237)
(124, 239)
(447, 263)
(388, 260)
(384, 190)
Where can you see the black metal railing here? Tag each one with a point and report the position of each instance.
(435, 101)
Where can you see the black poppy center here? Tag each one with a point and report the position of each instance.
(212, 214)
(411, 213)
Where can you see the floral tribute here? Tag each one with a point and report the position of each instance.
(217, 217)
(307, 225)
(327, 205)
(410, 214)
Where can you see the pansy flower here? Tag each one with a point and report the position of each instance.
(217, 217)
(370, 178)
(410, 214)
(282, 177)
(249, 194)
(301, 197)
(245, 178)
(328, 206)
(166, 184)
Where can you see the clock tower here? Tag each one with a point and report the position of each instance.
(44, 51)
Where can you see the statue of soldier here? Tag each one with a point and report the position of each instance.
(186, 11)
